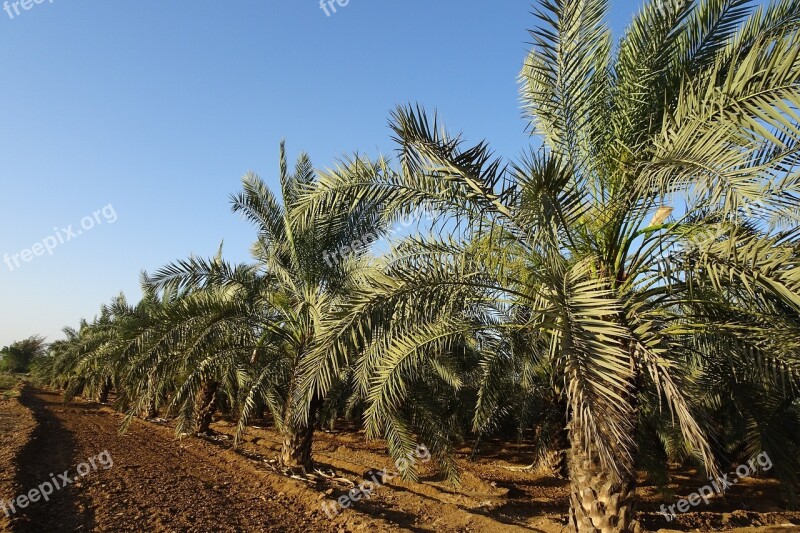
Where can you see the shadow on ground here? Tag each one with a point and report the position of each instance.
(50, 452)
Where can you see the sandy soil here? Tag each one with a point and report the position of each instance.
(158, 483)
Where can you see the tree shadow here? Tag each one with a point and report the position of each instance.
(49, 453)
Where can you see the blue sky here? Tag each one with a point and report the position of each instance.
(154, 110)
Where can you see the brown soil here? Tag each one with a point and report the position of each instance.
(158, 483)
(16, 426)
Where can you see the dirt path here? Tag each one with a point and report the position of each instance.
(154, 483)
(159, 484)
(16, 427)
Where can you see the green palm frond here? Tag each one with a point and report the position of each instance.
(565, 80)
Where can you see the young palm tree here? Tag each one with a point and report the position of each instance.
(55, 368)
(87, 361)
(697, 109)
(259, 322)
(186, 349)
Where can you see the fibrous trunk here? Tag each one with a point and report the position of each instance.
(105, 391)
(152, 405)
(601, 501)
(296, 450)
(554, 461)
(262, 415)
(152, 409)
(206, 403)
(298, 439)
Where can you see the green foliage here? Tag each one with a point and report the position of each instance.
(696, 108)
(8, 384)
(19, 357)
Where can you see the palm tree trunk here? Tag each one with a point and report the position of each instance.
(261, 414)
(555, 460)
(296, 449)
(152, 410)
(206, 403)
(105, 391)
(600, 501)
(297, 440)
(152, 405)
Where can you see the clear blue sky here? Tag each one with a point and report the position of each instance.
(158, 108)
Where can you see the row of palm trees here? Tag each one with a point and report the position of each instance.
(552, 295)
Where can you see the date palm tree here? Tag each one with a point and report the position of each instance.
(56, 366)
(86, 362)
(180, 350)
(696, 108)
(257, 323)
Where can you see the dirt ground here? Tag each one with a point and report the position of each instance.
(158, 483)
(16, 426)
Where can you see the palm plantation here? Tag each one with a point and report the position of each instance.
(242, 332)
(630, 287)
(683, 112)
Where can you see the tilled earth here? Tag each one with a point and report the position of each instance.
(16, 426)
(155, 483)
(158, 483)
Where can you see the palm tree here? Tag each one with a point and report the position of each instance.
(189, 350)
(753, 407)
(254, 325)
(55, 367)
(87, 360)
(697, 109)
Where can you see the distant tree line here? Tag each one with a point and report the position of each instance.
(19, 356)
